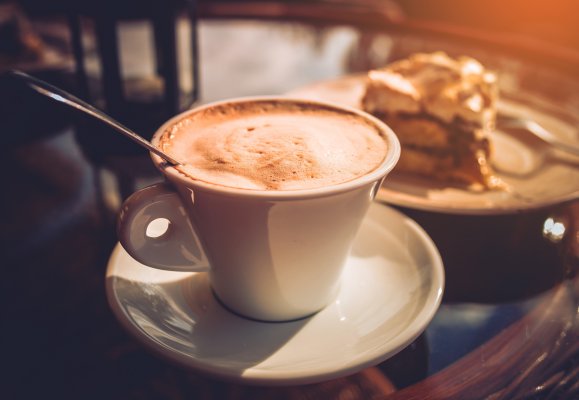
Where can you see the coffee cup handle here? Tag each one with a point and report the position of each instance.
(175, 249)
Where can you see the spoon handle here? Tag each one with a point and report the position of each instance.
(69, 99)
(538, 130)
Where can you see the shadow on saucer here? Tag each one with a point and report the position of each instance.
(183, 321)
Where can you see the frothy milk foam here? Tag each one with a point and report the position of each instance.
(274, 145)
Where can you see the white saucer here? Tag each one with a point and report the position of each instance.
(392, 286)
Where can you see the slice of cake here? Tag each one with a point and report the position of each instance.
(442, 110)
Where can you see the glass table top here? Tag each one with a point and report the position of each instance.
(507, 327)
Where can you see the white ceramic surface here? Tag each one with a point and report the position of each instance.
(275, 255)
(537, 175)
(391, 288)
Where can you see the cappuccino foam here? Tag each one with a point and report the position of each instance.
(274, 145)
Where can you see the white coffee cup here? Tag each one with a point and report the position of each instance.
(274, 255)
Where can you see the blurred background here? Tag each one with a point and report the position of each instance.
(65, 176)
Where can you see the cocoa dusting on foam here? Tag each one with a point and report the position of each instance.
(274, 146)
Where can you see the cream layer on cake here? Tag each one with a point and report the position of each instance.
(442, 109)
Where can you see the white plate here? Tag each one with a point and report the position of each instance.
(392, 286)
(536, 175)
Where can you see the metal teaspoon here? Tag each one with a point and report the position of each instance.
(527, 124)
(70, 100)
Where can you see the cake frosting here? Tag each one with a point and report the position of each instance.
(442, 109)
(444, 87)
